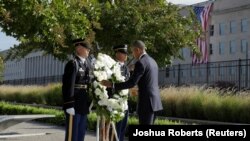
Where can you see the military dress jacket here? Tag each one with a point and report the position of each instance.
(76, 81)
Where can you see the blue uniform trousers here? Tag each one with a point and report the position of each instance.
(78, 124)
(121, 127)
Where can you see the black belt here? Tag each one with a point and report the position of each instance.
(79, 86)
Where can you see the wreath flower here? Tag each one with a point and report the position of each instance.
(113, 108)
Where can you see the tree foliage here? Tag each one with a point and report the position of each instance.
(160, 25)
(48, 25)
(51, 25)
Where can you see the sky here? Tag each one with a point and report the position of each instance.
(6, 41)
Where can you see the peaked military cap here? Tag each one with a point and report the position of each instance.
(82, 42)
(121, 48)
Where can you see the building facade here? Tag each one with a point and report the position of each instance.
(228, 36)
(228, 32)
(35, 68)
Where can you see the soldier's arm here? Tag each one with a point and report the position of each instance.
(133, 80)
(68, 84)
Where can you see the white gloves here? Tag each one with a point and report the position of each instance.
(70, 111)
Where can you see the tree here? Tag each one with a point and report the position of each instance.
(159, 24)
(50, 25)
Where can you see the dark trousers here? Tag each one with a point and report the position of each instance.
(146, 118)
(121, 127)
(78, 124)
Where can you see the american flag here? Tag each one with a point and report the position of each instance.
(202, 14)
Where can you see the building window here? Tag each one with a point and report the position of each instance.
(222, 28)
(210, 49)
(221, 48)
(233, 27)
(211, 30)
(232, 47)
(244, 24)
(244, 45)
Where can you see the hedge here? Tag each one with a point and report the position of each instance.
(10, 109)
(183, 102)
(206, 104)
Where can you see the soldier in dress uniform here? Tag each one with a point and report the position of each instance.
(121, 55)
(75, 92)
(145, 75)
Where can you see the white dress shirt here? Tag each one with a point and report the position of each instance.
(82, 59)
(142, 55)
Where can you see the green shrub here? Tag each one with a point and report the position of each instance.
(92, 118)
(10, 109)
(206, 104)
(53, 96)
(186, 102)
(194, 107)
(49, 95)
(133, 121)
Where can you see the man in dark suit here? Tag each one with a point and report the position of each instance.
(75, 92)
(145, 75)
(121, 55)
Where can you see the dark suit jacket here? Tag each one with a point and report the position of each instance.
(74, 97)
(145, 75)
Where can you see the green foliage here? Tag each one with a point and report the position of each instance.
(50, 25)
(92, 118)
(167, 122)
(9, 109)
(134, 121)
(205, 104)
(185, 102)
(159, 25)
(49, 95)
(53, 95)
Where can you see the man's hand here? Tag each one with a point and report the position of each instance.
(70, 111)
(133, 91)
(106, 83)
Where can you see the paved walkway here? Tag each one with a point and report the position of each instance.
(40, 132)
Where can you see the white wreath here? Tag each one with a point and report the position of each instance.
(106, 68)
